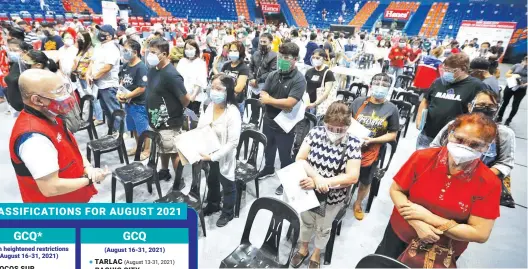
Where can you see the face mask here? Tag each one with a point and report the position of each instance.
(380, 92)
(317, 62)
(61, 105)
(180, 44)
(101, 37)
(42, 37)
(264, 49)
(448, 77)
(489, 156)
(415, 47)
(218, 97)
(485, 110)
(283, 65)
(401, 45)
(127, 55)
(152, 59)
(233, 56)
(334, 137)
(461, 153)
(68, 42)
(13, 56)
(190, 53)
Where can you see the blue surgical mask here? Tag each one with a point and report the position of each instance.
(380, 92)
(217, 97)
(127, 55)
(448, 77)
(489, 156)
(13, 56)
(233, 56)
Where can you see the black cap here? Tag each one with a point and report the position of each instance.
(479, 63)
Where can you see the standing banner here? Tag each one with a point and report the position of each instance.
(110, 10)
(486, 31)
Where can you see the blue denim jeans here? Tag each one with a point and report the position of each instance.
(423, 141)
(136, 118)
(397, 71)
(109, 104)
(98, 111)
(2, 94)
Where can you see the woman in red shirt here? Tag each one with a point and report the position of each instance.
(439, 185)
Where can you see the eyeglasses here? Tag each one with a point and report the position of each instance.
(487, 106)
(474, 144)
(452, 70)
(336, 129)
(66, 88)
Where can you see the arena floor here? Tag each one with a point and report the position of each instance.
(506, 248)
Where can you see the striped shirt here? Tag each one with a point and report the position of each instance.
(327, 158)
(30, 38)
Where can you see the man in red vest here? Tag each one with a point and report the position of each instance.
(44, 154)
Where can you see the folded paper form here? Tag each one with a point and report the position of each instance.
(290, 178)
(193, 143)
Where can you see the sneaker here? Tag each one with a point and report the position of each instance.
(507, 123)
(498, 120)
(279, 190)
(164, 174)
(223, 220)
(266, 172)
(211, 208)
(98, 122)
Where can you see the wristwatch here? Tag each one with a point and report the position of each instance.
(90, 182)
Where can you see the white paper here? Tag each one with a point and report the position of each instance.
(288, 120)
(290, 178)
(512, 81)
(358, 130)
(208, 143)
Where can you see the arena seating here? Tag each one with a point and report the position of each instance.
(196, 9)
(434, 19)
(156, 7)
(298, 13)
(242, 8)
(364, 13)
(312, 10)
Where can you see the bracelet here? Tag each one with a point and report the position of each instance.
(90, 182)
(446, 226)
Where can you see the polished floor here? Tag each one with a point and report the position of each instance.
(506, 248)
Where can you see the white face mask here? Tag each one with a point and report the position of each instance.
(152, 59)
(68, 42)
(190, 53)
(317, 62)
(334, 137)
(461, 153)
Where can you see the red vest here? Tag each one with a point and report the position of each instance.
(69, 157)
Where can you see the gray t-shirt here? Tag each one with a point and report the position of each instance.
(492, 83)
(378, 118)
(520, 70)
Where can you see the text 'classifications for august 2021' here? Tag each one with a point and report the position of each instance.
(97, 236)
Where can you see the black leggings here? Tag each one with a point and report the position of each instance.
(518, 95)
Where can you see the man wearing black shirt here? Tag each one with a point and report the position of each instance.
(447, 98)
(133, 76)
(282, 90)
(498, 49)
(166, 100)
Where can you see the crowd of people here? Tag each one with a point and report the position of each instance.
(447, 193)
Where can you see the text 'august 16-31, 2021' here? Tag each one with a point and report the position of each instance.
(98, 236)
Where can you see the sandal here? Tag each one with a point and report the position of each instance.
(144, 156)
(131, 152)
(298, 259)
(314, 264)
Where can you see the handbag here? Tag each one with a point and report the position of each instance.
(422, 255)
(332, 96)
(321, 197)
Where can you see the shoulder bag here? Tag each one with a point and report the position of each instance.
(332, 96)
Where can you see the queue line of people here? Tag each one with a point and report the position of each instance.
(160, 87)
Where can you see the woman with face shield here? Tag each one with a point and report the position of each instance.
(382, 118)
(500, 156)
(445, 196)
(329, 176)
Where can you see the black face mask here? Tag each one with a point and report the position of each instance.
(490, 112)
(264, 49)
(101, 37)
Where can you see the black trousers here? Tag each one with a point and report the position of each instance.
(228, 190)
(517, 95)
(281, 141)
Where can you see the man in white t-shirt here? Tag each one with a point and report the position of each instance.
(104, 71)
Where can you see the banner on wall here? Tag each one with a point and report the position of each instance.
(110, 10)
(486, 31)
(397, 14)
(270, 8)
